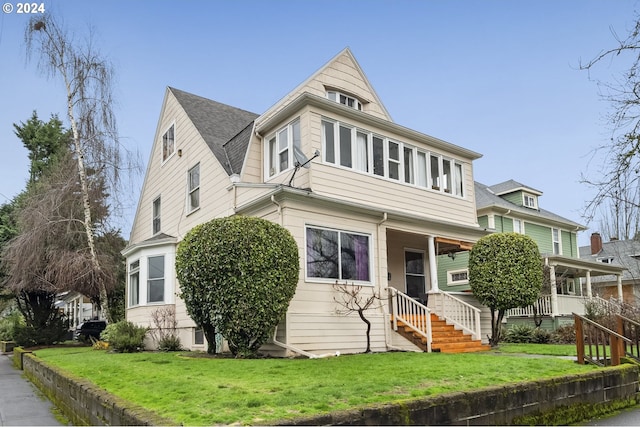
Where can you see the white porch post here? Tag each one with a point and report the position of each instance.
(554, 291)
(589, 293)
(619, 277)
(433, 268)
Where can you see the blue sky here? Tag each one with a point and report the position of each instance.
(497, 77)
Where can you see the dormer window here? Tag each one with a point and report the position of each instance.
(343, 99)
(529, 201)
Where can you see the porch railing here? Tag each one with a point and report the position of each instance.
(413, 314)
(543, 304)
(593, 340)
(461, 314)
(631, 330)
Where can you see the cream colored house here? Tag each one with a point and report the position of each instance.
(370, 203)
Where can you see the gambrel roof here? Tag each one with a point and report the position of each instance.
(224, 128)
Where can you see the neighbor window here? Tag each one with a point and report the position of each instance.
(168, 144)
(458, 277)
(366, 152)
(155, 292)
(198, 336)
(156, 215)
(134, 283)
(194, 188)
(338, 255)
(529, 200)
(281, 148)
(555, 235)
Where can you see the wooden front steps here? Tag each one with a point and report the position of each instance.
(445, 338)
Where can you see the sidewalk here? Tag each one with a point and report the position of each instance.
(21, 403)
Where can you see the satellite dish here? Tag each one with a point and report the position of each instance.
(300, 158)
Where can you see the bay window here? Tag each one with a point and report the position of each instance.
(337, 255)
(134, 283)
(155, 283)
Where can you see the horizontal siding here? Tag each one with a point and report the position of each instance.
(542, 236)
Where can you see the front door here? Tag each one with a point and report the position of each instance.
(414, 273)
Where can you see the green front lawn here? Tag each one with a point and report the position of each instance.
(205, 391)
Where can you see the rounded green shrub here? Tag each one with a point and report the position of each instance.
(237, 276)
(124, 336)
(519, 334)
(505, 271)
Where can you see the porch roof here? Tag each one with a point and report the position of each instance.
(579, 267)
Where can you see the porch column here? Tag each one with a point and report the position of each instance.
(554, 291)
(619, 277)
(433, 268)
(588, 276)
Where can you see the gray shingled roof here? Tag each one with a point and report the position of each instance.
(225, 129)
(625, 253)
(510, 186)
(486, 198)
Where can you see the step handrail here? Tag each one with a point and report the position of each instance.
(461, 314)
(613, 339)
(412, 313)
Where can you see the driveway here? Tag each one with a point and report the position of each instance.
(21, 403)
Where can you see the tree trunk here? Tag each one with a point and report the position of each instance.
(364, 319)
(210, 334)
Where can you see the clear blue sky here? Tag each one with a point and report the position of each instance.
(497, 77)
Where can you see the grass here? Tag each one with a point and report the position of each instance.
(543, 349)
(205, 391)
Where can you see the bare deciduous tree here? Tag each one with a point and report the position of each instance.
(352, 299)
(617, 187)
(87, 79)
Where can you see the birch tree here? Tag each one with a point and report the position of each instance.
(87, 79)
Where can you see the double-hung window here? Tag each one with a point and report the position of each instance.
(155, 283)
(168, 143)
(281, 147)
(354, 148)
(134, 283)
(338, 255)
(555, 236)
(156, 215)
(529, 201)
(194, 188)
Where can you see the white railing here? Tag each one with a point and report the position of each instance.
(543, 304)
(461, 314)
(412, 313)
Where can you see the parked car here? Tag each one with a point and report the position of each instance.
(90, 328)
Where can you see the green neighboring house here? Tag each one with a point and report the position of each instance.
(514, 207)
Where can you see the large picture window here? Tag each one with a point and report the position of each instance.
(363, 151)
(155, 283)
(338, 255)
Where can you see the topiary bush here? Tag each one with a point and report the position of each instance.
(237, 276)
(124, 336)
(505, 271)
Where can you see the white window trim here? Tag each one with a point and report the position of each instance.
(290, 155)
(522, 231)
(158, 217)
(130, 272)
(372, 269)
(534, 200)
(452, 282)
(163, 160)
(191, 209)
(401, 146)
(559, 241)
(164, 280)
(358, 105)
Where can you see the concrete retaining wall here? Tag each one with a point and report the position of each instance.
(83, 404)
(502, 405)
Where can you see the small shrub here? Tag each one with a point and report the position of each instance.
(541, 336)
(169, 343)
(9, 324)
(565, 334)
(165, 329)
(124, 336)
(29, 336)
(519, 334)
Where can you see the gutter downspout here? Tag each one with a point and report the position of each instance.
(273, 200)
(299, 350)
